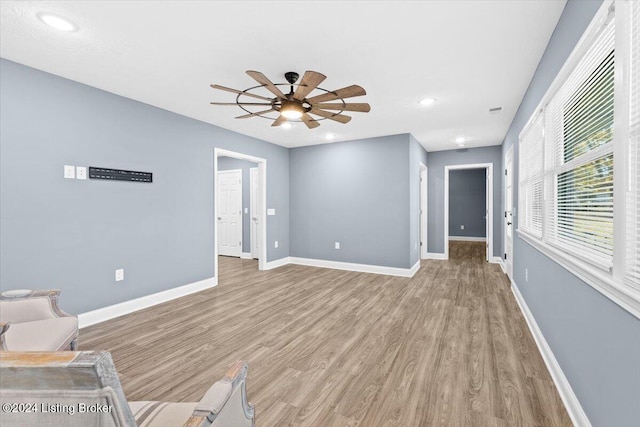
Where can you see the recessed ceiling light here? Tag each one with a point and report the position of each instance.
(286, 126)
(427, 101)
(460, 139)
(57, 22)
(329, 136)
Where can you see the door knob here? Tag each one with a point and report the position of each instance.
(219, 218)
(509, 223)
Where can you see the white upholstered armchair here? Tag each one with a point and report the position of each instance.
(79, 389)
(33, 321)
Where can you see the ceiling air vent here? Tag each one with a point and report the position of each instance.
(495, 110)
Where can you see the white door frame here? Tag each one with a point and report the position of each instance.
(508, 212)
(253, 212)
(241, 222)
(262, 214)
(489, 168)
(423, 211)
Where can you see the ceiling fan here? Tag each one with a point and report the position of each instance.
(295, 105)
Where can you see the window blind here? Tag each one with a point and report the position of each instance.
(531, 178)
(632, 258)
(579, 164)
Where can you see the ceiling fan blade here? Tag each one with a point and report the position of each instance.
(331, 116)
(308, 120)
(246, 116)
(240, 103)
(268, 84)
(280, 120)
(354, 106)
(345, 92)
(309, 82)
(228, 89)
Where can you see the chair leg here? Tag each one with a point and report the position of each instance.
(74, 345)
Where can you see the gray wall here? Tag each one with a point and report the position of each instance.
(417, 155)
(71, 234)
(229, 163)
(467, 201)
(596, 342)
(354, 192)
(436, 162)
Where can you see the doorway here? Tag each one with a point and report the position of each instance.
(487, 182)
(508, 213)
(258, 211)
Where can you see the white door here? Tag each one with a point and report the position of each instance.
(508, 213)
(254, 212)
(230, 213)
(423, 212)
(487, 201)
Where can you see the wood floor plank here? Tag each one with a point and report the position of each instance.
(447, 347)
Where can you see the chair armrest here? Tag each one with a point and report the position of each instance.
(3, 328)
(217, 396)
(52, 294)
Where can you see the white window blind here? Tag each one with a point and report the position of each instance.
(632, 259)
(579, 149)
(531, 177)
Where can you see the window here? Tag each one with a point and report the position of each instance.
(578, 189)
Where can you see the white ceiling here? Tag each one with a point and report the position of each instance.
(469, 55)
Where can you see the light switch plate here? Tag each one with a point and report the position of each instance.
(271, 212)
(69, 172)
(246, 210)
(120, 275)
(462, 227)
(81, 172)
(337, 245)
(275, 244)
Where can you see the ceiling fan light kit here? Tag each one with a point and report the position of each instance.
(295, 105)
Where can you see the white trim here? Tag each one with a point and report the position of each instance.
(625, 296)
(246, 255)
(435, 255)
(467, 239)
(489, 174)
(348, 266)
(569, 398)
(362, 268)
(277, 263)
(253, 211)
(262, 220)
(498, 260)
(510, 153)
(116, 310)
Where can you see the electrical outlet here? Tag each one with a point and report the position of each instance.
(81, 172)
(120, 275)
(69, 172)
(462, 227)
(337, 245)
(526, 274)
(275, 244)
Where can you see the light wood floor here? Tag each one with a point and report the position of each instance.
(447, 347)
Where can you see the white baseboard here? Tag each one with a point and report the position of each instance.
(246, 255)
(106, 313)
(435, 255)
(500, 261)
(361, 268)
(570, 400)
(277, 263)
(468, 239)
